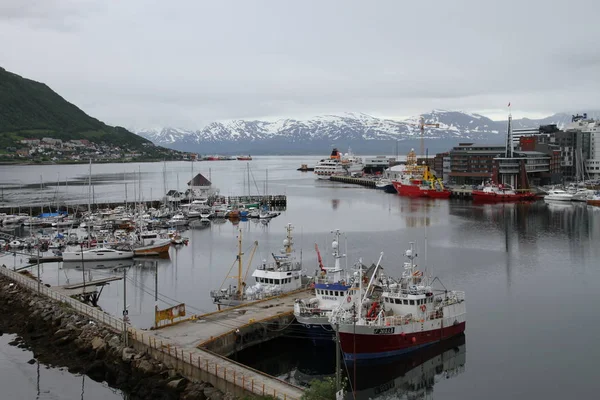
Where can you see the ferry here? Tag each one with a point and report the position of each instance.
(404, 316)
(338, 164)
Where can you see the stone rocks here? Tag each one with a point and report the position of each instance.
(98, 343)
(59, 336)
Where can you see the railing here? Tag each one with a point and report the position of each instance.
(227, 370)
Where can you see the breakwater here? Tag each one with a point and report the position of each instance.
(59, 335)
(199, 366)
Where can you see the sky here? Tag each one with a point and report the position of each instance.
(186, 63)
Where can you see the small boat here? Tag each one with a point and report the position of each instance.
(305, 168)
(558, 195)
(594, 200)
(582, 195)
(97, 254)
(244, 158)
(15, 244)
(386, 185)
(178, 220)
(153, 248)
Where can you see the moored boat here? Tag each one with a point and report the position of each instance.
(558, 195)
(97, 254)
(501, 193)
(418, 181)
(153, 248)
(594, 200)
(406, 315)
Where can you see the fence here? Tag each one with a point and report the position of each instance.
(199, 364)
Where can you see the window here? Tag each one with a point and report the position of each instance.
(412, 302)
(270, 280)
(398, 301)
(257, 279)
(405, 302)
(337, 293)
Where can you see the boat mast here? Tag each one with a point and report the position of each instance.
(288, 241)
(90, 188)
(239, 259)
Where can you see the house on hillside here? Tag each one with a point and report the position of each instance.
(199, 188)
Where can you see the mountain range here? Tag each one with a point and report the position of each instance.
(365, 134)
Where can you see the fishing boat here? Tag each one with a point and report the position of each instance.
(418, 181)
(338, 164)
(97, 254)
(406, 315)
(244, 158)
(501, 193)
(332, 290)
(178, 220)
(282, 275)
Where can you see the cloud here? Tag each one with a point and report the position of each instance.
(140, 63)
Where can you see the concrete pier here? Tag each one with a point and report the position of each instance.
(177, 347)
(368, 182)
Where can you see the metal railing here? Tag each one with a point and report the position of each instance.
(225, 369)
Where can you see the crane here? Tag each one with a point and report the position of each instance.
(422, 126)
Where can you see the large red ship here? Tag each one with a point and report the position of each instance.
(418, 181)
(399, 317)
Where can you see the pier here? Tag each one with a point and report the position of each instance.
(233, 329)
(368, 182)
(177, 346)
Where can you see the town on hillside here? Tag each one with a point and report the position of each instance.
(50, 149)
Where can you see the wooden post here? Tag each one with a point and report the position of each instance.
(199, 367)
(216, 370)
(263, 389)
(234, 376)
(252, 385)
(169, 348)
(207, 365)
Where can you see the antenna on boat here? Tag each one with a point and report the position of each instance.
(239, 260)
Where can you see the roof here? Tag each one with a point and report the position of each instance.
(199, 180)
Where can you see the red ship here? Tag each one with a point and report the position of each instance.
(403, 316)
(501, 193)
(418, 181)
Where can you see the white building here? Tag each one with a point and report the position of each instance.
(199, 188)
(591, 127)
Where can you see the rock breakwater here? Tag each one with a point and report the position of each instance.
(59, 336)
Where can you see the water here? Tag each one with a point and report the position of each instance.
(23, 381)
(530, 272)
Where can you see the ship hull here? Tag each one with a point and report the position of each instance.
(419, 191)
(153, 249)
(499, 197)
(360, 346)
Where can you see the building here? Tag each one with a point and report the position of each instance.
(472, 164)
(586, 147)
(199, 188)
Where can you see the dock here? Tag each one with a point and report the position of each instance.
(86, 292)
(174, 349)
(233, 329)
(368, 182)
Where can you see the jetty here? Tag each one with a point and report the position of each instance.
(368, 182)
(177, 348)
(233, 329)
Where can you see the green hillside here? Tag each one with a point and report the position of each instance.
(31, 110)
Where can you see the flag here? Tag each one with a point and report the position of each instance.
(509, 104)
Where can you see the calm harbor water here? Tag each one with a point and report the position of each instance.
(531, 273)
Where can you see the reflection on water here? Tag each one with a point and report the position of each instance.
(411, 376)
(22, 380)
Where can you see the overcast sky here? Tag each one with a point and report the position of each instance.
(146, 63)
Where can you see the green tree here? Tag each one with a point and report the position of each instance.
(320, 390)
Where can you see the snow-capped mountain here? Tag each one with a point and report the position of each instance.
(362, 132)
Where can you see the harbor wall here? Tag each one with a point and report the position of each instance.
(250, 334)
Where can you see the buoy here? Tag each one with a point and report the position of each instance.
(402, 334)
(414, 339)
(349, 299)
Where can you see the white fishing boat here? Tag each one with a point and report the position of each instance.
(332, 290)
(97, 254)
(283, 275)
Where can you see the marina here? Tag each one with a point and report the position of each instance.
(190, 272)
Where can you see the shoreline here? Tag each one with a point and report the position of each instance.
(58, 336)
